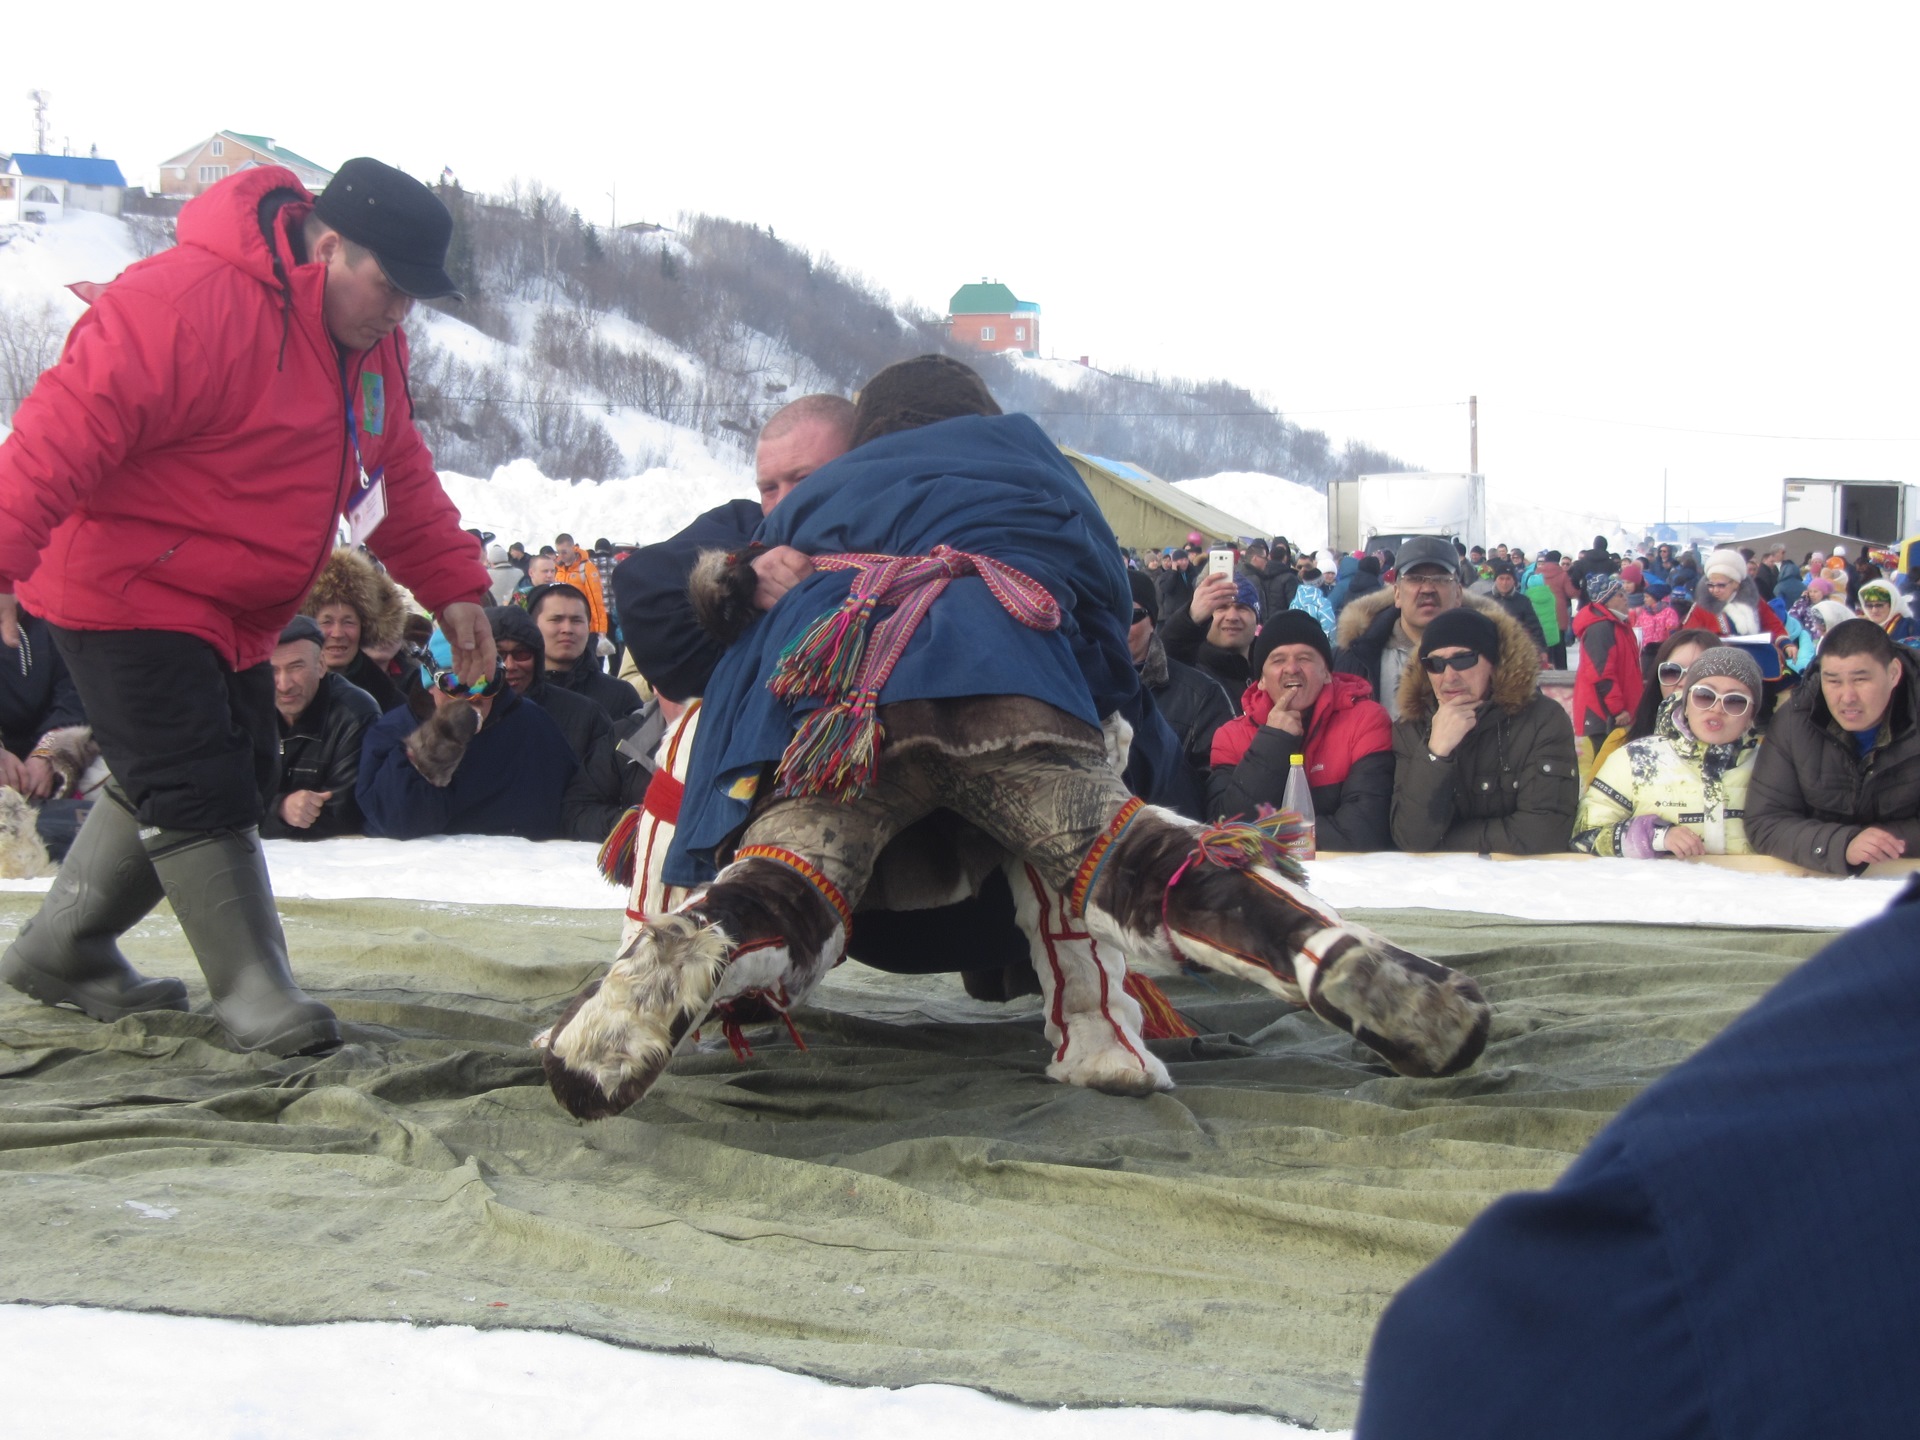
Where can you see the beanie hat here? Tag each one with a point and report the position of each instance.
(1601, 587)
(1731, 661)
(1728, 565)
(1820, 587)
(1245, 594)
(1501, 567)
(1144, 594)
(1462, 626)
(1289, 627)
(301, 627)
(1632, 574)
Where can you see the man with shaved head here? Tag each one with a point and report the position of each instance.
(650, 585)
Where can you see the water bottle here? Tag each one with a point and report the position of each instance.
(1298, 799)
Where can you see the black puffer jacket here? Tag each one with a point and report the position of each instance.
(1193, 703)
(321, 751)
(1511, 787)
(1812, 791)
(36, 692)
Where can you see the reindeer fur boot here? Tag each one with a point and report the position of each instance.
(1092, 1023)
(1159, 881)
(762, 928)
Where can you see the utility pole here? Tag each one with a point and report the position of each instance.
(39, 99)
(613, 215)
(1473, 434)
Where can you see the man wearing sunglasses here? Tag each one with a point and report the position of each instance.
(170, 490)
(1483, 762)
(1836, 787)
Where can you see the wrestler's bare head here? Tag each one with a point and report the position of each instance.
(797, 441)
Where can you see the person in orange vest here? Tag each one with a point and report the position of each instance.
(576, 568)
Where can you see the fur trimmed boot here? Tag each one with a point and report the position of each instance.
(763, 925)
(1092, 1023)
(1158, 881)
(217, 881)
(68, 953)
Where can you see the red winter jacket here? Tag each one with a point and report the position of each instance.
(1607, 683)
(185, 464)
(1347, 724)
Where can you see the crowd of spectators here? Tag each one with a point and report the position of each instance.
(1719, 704)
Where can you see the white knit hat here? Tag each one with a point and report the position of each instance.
(1728, 564)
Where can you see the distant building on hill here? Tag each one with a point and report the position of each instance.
(42, 188)
(988, 317)
(226, 151)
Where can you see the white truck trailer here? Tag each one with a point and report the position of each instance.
(1379, 511)
(1882, 511)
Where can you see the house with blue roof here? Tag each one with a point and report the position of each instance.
(43, 188)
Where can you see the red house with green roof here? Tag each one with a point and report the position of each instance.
(988, 317)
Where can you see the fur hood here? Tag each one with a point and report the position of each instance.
(351, 578)
(1359, 614)
(1515, 678)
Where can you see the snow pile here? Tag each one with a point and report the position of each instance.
(39, 262)
(1270, 504)
(519, 503)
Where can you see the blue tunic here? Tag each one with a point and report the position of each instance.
(989, 485)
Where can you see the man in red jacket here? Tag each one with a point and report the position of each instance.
(170, 490)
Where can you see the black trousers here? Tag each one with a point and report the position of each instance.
(191, 741)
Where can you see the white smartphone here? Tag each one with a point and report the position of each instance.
(1220, 562)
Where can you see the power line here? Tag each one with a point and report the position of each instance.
(1722, 434)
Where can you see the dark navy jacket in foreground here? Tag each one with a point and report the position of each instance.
(992, 485)
(1736, 1256)
(510, 782)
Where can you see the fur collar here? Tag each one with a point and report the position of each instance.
(1360, 614)
(1515, 679)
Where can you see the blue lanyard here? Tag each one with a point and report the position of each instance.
(353, 430)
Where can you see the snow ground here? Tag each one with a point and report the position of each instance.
(76, 1374)
(475, 870)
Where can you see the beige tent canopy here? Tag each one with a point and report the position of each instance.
(1147, 512)
(1801, 541)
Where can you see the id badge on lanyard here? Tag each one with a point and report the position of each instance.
(367, 505)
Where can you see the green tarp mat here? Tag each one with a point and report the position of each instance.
(906, 1200)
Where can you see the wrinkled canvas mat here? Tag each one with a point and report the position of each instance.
(906, 1200)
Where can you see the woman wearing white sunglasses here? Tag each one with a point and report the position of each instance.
(1683, 790)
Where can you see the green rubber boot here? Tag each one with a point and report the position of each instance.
(217, 881)
(67, 954)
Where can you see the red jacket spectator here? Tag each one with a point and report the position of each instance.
(1345, 728)
(1607, 684)
(157, 476)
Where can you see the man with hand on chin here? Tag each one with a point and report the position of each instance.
(1483, 762)
(1297, 705)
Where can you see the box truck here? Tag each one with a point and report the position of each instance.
(1379, 511)
(1882, 511)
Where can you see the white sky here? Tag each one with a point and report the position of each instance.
(1692, 217)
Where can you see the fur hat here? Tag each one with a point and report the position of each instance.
(1732, 661)
(1289, 627)
(1727, 564)
(350, 578)
(1462, 625)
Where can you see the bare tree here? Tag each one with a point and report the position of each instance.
(29, 344)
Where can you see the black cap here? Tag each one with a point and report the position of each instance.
(1289, 627)
(1426, 550)
(302, 627)
(1144, 594)
(1463, 626)
(398, 219)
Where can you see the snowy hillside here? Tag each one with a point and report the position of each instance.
(671, 472)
